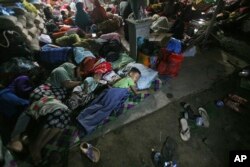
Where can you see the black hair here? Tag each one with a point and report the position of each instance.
(135, 70)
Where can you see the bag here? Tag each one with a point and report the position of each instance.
(111, 46)
(174, 45)
(12, 45)
(169, 63)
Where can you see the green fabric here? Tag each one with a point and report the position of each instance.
(124, 83)
(68, 40)
(123, 60)
(65, 72)
(92, 84)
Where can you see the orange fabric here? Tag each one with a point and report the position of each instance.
(144, 59)
(58, 34)
(87, 65)
(99, 14)
(68, 21)
(64, 28)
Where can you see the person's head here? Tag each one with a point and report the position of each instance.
(63, 13)
(68, 8)
(96, 3)
(77, 72)
(135, 74)
(97, 76)
(79, 6)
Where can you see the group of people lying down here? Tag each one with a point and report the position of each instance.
(51, 104)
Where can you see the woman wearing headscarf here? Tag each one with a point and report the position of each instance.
(98, 14)
(82, 19)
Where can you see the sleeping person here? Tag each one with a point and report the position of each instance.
(130, 81)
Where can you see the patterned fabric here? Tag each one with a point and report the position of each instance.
(48, 90)
(44, 106)
(79, 99)
(57, 119)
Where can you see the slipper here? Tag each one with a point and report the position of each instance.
(233, 105)
(237, 98)
(185, 130)
(189, 113)
(204, 116)
(90, 151)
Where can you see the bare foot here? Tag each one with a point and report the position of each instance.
(15, 146)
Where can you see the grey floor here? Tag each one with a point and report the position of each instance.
(202, 79)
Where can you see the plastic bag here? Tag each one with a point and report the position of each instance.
(17, 65)
(174, 45)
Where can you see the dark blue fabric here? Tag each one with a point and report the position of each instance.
(110, 100)
(21, 86)
(54, 55)
(82, 19)
(10, 104)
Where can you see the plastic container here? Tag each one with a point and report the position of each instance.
(174, 64)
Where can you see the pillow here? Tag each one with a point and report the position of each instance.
(147, 75)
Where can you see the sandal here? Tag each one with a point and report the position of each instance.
(189, 113)
(237, 99)
(233, 105)
(90, 151)
(205, 117)
(185, 130)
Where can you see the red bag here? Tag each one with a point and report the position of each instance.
(169, 63)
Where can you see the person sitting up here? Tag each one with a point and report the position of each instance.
(98, 15)
(82, 19)
(130, 81)
(63, 16)
(70, 12)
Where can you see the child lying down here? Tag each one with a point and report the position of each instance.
(130, 81)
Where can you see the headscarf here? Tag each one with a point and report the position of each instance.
(82, 19)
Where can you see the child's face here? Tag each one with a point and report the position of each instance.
(97, 76)
(135, 76)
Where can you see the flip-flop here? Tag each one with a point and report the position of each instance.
(204, 116)
(185, 130)
(90, 151)
(189, 113)
(237, 98)
(231, 104)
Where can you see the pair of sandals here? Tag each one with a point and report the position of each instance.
(234, 101)
(189, 114)
(90, 151)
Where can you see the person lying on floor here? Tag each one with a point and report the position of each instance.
(54, 91)
(83, 94)
(130, 81)
(14, 100)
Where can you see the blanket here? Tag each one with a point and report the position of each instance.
(108, 101)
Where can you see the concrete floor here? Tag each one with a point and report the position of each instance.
(202, 79)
